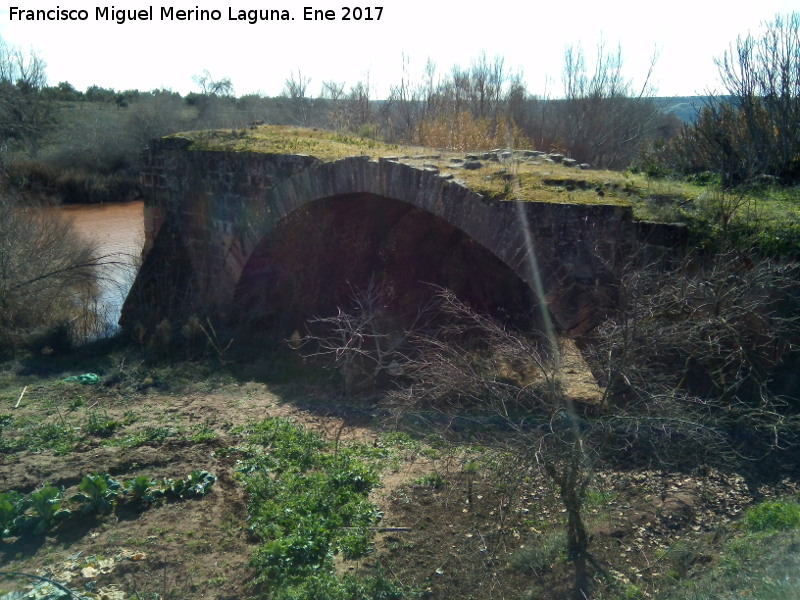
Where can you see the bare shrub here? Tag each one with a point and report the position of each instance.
(603, 119)
(366, 344)
(457, 362)
(684, 365)
(47, 275)
(697, 355)
(753, 127)
(716, 327)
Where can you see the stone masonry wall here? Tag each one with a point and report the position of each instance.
(220, 205)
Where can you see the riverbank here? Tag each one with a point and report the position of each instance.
(40, 182)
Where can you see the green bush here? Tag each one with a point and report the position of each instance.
(433, 481)
(539, 553)
(329, 587)
(777, 515)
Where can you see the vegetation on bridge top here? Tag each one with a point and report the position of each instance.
(762, 215)
(514, 178)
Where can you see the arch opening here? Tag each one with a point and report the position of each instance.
(318, 255)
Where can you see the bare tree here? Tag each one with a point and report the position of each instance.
(332, 90)
(762, 78)
(26, 115)
(209, 86)
(295, 91)
(603, 119)
(354, 111)
(214, 93)
(403, 107)
(752, 128)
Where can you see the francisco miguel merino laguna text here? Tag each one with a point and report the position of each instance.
(166, 13)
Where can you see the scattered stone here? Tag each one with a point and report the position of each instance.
(389, 159)
(472, 165)
(557, 158)
(507, 155)
(472, 156)
(584, 166)
(569, 162)
(456, 161)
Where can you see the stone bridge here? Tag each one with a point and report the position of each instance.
(273, 239)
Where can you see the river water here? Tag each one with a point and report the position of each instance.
(118, 231)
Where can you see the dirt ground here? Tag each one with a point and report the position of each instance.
(447, 530)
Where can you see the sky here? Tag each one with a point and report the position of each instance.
(530, 36)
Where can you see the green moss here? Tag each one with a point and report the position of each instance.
(325, 145)
(766, 219)
(508, 179)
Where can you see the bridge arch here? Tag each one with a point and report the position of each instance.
(319, 255)
(225, 209)
(380, 218)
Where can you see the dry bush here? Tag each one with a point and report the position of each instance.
(457, 362)
(365, 344)
(716, 327)
(687, 363)
(47, 276)
(700, 355)
(464, 132)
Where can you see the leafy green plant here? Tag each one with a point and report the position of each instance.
(195, 485)
(98, 493)
(58, 437)
(290, 445)
(773, 516)
(433, 481)
(76, 403)
(203, 432)
(12, 508)
(100, 425)
(47, 512)
(149, 435)
(142, 490)
(306, 505)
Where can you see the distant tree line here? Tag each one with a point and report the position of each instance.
(85, 145)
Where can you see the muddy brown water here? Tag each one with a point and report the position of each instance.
(118, 230)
